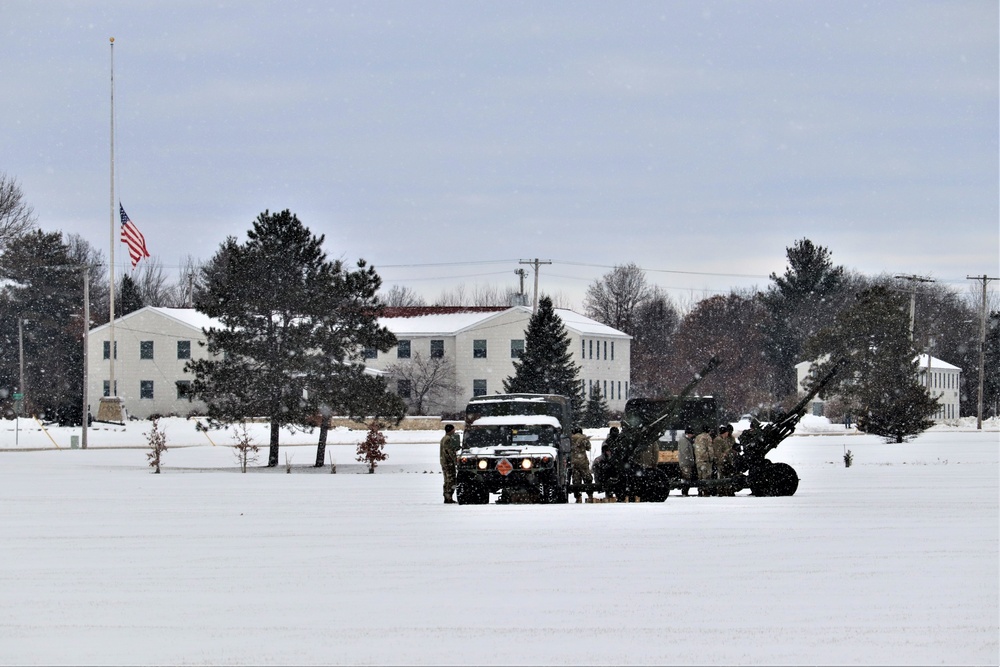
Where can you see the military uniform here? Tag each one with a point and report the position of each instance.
(580, 462)
(450, 445)
(722, 447)
(703, 458)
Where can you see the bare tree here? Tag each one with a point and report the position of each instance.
(152, 282)
(399, 296)
(82, 253)
(427, 380)
(481, 295)
(16, 216)
(656, 321)
(614, 298)
(182, 293)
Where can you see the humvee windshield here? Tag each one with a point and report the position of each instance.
(507, 436)
(503, 408)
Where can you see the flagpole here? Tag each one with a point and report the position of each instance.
(113, 389)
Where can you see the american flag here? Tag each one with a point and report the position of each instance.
(133, 238)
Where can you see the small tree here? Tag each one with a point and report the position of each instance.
(246, 449)
(157, 439)
(370, 450)
(595, 415)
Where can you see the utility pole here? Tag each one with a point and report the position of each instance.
(86, 361)
(982, 349)
(913, 297)
(521, 297)
(536, 263)
(20, 356)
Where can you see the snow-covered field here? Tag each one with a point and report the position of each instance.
(891, 561)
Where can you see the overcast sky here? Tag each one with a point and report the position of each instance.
(445, 141)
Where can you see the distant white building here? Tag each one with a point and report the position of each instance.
(483, 343)
(152, 345)
(945, 380)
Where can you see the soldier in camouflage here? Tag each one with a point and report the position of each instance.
(580, 461)
(721, 448)
(703, 458)
(450, 445)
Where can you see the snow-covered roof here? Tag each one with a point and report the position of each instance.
(187, 316)
(429, 322)
(936, 364)
(443, 324)
(518, 420)
(190, 317)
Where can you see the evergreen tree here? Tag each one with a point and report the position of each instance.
(881, 384)
(547, 366)
(45, 292)
(801, 302)
(595, 415)
(130, 300)
(293, 325)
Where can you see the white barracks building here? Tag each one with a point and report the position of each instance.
(152, 346)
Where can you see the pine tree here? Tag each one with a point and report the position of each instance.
(800, 303)
(45, 291)
(595, 415)
(130, 299)
(547, 366)
(881, 385)
(293, 326)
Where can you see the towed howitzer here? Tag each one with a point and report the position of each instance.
(764, 477)
(632, 470)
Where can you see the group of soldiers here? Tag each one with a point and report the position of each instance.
(709, 454)
(716, 455)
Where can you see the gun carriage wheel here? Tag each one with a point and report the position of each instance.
(773, 479)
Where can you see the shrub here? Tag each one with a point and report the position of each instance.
(370, 450)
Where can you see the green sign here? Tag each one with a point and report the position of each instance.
(18, 396)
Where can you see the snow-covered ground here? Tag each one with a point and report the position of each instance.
(891, 561)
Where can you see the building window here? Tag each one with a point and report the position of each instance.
(107, 349)
(370, 353)
(183, 389)
(516, 348)
(619, 382)
(183, 349)
(437, 349)
(613, 352)
(605, 392)
(583, 349)
(403, 350)
(145, 389)
(605, 350)
(145, 349)
(479, 387)
(403, 388)
(591, 346)
(107, 387)
(479, 349)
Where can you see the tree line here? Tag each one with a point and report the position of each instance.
(815, 310)
(812, 311)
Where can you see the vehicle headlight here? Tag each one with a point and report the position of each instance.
(526, 464)
(482, 464)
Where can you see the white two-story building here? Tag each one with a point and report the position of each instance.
(152, 346)
(484, 342)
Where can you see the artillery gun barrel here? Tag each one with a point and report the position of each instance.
(632, 440)
(762, 439)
